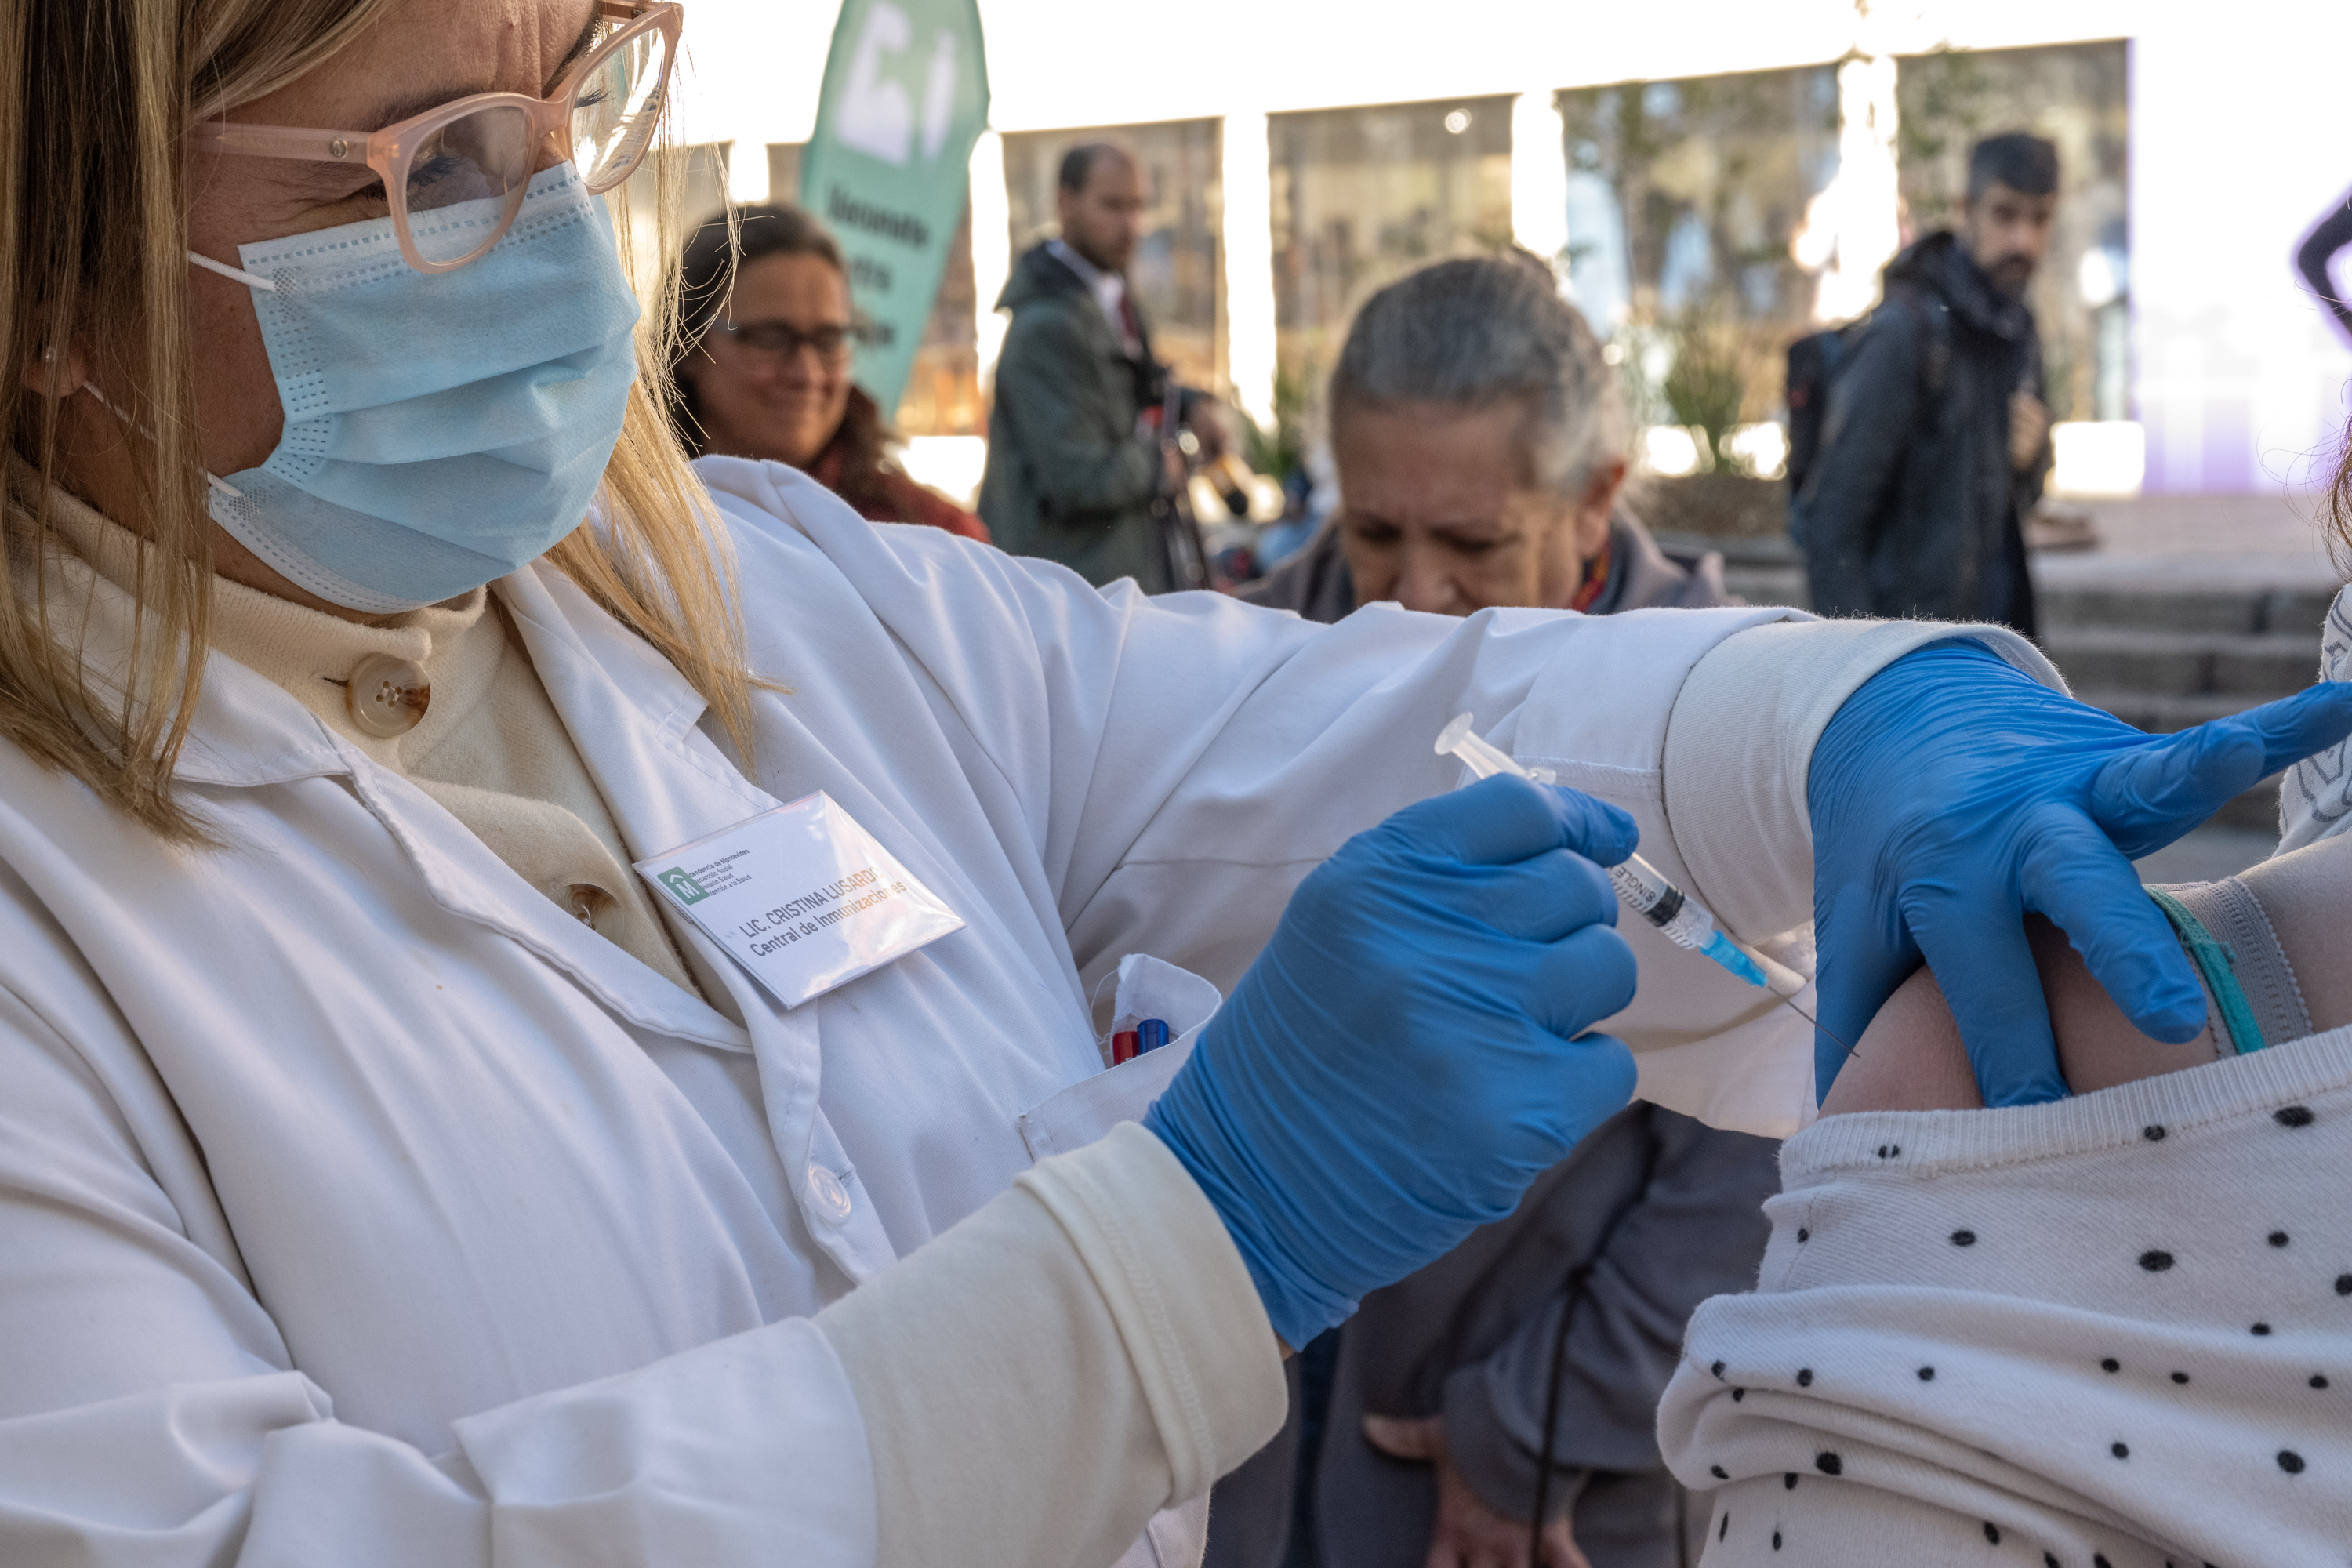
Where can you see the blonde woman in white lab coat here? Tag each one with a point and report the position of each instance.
(388, 1174)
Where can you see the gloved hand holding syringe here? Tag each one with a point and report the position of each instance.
(1641, 887)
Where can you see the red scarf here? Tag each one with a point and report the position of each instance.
(1596, 577)
(894, 498)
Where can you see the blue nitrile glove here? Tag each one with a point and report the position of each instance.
(1400, 1061)
(1953, 793)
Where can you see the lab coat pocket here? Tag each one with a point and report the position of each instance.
(1148, 988)
(1093, 1106)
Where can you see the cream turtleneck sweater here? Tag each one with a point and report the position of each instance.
(489, 747)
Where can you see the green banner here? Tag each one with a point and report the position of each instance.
(906, 96)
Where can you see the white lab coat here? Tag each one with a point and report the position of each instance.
(358, 1206)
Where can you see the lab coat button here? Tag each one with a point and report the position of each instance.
(387, 696)
(587, 901)
(827, 1196)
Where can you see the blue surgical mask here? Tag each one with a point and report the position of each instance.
(441, 429)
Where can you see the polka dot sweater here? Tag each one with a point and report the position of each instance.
(2111, 1332)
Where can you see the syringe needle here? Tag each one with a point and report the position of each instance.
(1790, 1003)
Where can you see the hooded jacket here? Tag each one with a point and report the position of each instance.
(1069, 478)
(1912, 507)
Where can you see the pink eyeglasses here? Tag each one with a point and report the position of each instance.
(456, 175)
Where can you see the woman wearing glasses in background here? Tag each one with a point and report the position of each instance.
(761, 366)
(387, 1178)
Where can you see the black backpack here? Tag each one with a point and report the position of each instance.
(1813, 364)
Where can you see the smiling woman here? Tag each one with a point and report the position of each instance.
(762, 365)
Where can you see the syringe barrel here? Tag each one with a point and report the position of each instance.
(1645, 891)
(1640, 885)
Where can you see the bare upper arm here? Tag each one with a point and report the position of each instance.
(2308, 896)
(1911, 1058)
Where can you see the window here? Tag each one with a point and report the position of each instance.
(1362, 197)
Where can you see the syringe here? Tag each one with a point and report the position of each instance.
(1641, 887)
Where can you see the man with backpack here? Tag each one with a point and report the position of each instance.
(1919, 436)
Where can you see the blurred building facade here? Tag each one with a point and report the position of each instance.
(1361, 197)
(1708, 186)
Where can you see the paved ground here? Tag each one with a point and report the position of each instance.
(2176, 542)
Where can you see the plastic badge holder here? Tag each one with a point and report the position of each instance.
(802, 897)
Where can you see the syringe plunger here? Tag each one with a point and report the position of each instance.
(1480, 755)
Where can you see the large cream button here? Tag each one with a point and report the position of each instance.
(827, 1196)
(588, 901)
(387, 696)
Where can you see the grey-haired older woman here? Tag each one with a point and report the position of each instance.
(1480, 440)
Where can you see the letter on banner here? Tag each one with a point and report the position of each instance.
(891, 187)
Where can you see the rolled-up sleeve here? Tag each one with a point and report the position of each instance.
(1084, 1350)
(1035, 1416)
(152, 1415)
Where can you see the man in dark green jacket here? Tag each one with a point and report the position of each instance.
(1075, 461)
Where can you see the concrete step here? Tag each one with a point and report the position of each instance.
(2163, 713)
(2277, 665)
(2177, 611)
(2270, 611)
(2256, 665)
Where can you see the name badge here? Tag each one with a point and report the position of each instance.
(802, 897)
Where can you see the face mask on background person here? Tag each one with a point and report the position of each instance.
(442, 430)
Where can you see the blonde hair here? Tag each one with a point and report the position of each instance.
(94, 97)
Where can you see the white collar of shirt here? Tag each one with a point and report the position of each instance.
(1108, 288)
